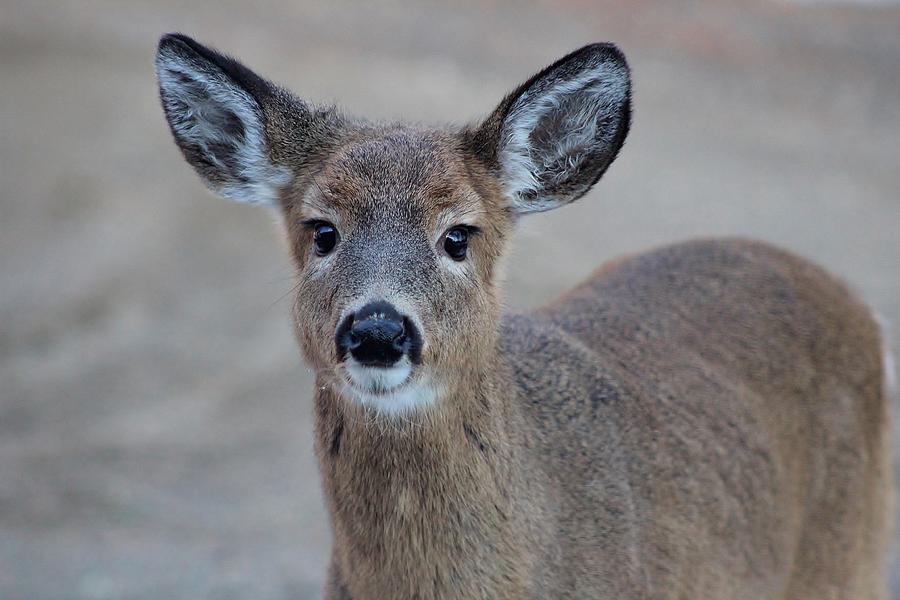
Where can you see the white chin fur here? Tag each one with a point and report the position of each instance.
(388, 389)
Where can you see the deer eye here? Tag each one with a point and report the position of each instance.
(456, 242)
(325, 237)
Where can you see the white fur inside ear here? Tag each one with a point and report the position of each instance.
(583, 105)
(208, 111)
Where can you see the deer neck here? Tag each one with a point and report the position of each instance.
(468, 424)
(435, 492)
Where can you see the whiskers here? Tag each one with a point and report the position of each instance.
(296, 282)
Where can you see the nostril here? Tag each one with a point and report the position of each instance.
(400, 331)
(412, 341)
(344, 338)
(401, 340)
(353, 340)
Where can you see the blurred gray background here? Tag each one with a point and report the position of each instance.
(155, 415)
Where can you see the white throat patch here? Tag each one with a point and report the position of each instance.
(391, 391)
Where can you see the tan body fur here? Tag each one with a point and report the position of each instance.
(706, 421)
(718, 421)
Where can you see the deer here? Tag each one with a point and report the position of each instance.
(704, 420)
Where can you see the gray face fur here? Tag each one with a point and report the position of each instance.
(393, 192)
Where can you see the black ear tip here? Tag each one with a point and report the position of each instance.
(604, 52)
(178, 43)
(171, 43)
(168, 40)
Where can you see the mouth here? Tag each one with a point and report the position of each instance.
(378, 381)
(391, 391)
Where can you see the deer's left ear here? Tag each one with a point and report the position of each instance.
(552, 138)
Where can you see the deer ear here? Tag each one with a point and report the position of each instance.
(214, 106)
(552, 138)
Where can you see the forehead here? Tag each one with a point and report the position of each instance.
(415, 172)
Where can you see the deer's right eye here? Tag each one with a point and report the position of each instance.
(325, 237)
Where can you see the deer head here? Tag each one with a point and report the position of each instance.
(396, 231)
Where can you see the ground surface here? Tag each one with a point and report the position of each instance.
(155, 418)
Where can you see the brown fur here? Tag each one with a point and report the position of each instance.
(703, 421)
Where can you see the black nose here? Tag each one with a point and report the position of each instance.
(377, 336)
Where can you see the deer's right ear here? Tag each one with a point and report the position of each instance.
(214, 106)
(550, 140)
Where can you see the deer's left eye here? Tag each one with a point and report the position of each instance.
(456, 243)
(325, 237)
